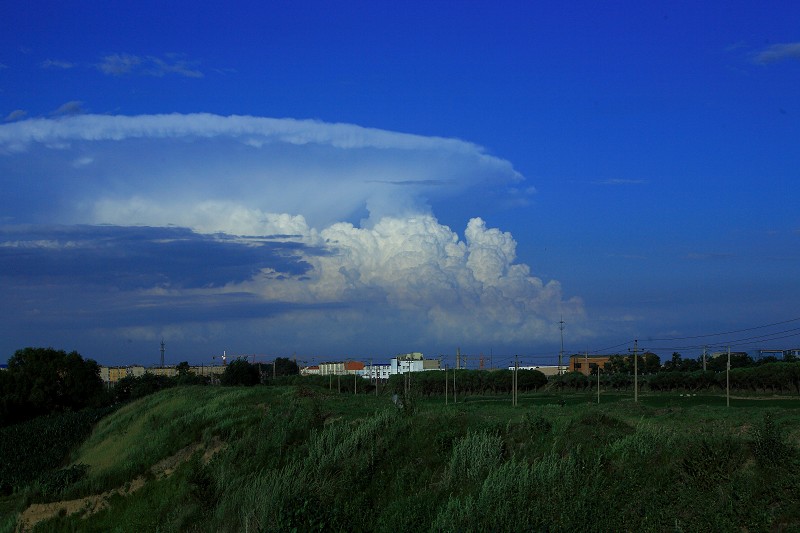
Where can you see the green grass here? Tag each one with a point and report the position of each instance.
(300, 458)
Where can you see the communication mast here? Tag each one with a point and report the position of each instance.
(162, 353)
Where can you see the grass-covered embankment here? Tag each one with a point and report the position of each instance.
(295, 457)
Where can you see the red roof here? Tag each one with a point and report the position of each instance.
(354, 365)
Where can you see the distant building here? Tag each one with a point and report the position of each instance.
(586, 365)
(777, 354)
(547, 370)
(310, 371)
(412, 362)
(380, 371)
(166, 371)
(341, 368)
(112, 374)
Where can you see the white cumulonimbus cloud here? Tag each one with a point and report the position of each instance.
(212, 172)
(360, 197)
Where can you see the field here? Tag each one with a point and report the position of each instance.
(302, 458)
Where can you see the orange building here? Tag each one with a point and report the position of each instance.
(586, 365)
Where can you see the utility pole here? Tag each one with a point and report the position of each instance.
(728, 380)
(454, 386)
(458, 358)
(445, 384)
(162, 352)
(561, 353)
(339, 383)
(635, 372)
(355, 384)
(704, 358)
(514, 388)
(598, 384)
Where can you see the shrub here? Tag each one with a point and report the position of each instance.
(769, 448)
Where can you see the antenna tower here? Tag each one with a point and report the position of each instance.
(162, 353)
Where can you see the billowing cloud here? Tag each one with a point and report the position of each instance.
(298, 231)
(778, 52)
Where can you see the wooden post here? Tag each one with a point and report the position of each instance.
(445, 385)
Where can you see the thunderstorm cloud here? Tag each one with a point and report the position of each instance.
(288, 231)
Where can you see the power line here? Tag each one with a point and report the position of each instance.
(725, 332)
(777, 335)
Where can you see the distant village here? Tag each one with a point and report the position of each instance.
(401, 364)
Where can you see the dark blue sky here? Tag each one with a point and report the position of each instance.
(422, 177)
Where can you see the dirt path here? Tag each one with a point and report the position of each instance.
(90, 505)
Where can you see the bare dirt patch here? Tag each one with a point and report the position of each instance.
(95, 503)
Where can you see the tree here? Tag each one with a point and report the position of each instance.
(43, 380)
(240, 372)
(719, 362)
(285, 367)
(675, 364)
(134, 387)
(183, 368)
(649, 363)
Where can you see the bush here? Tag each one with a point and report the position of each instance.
(769, 448)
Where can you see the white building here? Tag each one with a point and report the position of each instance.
(412, 362)
(379, 371)
(310, 371)
(546, 369)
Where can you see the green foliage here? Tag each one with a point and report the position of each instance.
(769, 447)
(284, 367)
(678, 364)
(240, 372)
(712, 460)
(406, 402)
(135, 387)
(472, 458)
(37, 448)
(536, 424)
(40, 381)
(302, 457)
(469, 382)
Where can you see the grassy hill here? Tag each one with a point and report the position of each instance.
(283, 458)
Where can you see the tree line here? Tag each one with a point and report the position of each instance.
(44, 381)
(41, 381)
(767, 374)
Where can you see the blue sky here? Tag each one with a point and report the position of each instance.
(370, 178)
